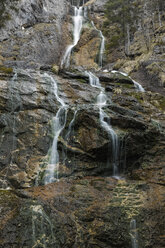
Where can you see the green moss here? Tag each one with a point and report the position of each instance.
(14, 8)
(6, 69)
(5, 16)
(81, 80)
(162, 104)
(137, 95)
(128, 86)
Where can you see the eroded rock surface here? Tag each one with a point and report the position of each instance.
(35, 33)
(89, 212)
(86, 207)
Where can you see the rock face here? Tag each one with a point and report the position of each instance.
(77, 211)
(145, 60)
(35, 34)
(89, 212)
(87, 206)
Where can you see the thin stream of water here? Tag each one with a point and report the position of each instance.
(102, 45)
(136, 84)
(58, 125)
(133, 233)
(77, 26)
(101, 103)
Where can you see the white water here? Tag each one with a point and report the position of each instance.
(93, 80)
(55, 88)
(41, 222)
(136, 84)
(85, 12)
(102, 45)
(133, 233)
(77, 26)
(101, 102)
(70, 126)
(68, 137)
(57, 126)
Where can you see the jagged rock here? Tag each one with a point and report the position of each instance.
(109, 88)
(75, 75)
(30, 36)
(85, 203)
(114, 77)
(86, 207)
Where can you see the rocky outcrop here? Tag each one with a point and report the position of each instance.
(86, 206)
(35, 33)
(79, 214)
(145, 59)
(78, 209)
(29, 105)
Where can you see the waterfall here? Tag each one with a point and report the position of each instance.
(85, 12)
(53, 165)
(79, 14)
(102, 45)
(133, 233)
(77, 26)
(58, 125)
(67, 138)
(41, 222)
(93, 80)
(101, 102)
(136, 84)
(70, 126)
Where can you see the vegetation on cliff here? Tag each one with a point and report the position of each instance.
(85, 206)
(125, 17)
(4, 13)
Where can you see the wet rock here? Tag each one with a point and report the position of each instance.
(86, 207)
(109, 89)
(29, 24)
(80, 212)
(114, 77)
(76, 75)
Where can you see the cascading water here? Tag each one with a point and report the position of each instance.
(59, 121)
(136, 84)
(70, 126)
(133, 233)
(77, 26)
(101, 102)
(67, 139)
(102, 45)
(93, 80)
(41, 222)
(58, 125)
(79, 14)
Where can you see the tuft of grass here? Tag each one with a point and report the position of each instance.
(4, 15)
(6, 69)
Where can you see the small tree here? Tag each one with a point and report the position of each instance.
(122, 14)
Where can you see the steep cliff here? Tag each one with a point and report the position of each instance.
(34, 33)
(135, 41)
(82, 148)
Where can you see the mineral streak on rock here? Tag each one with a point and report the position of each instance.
(87, 207)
